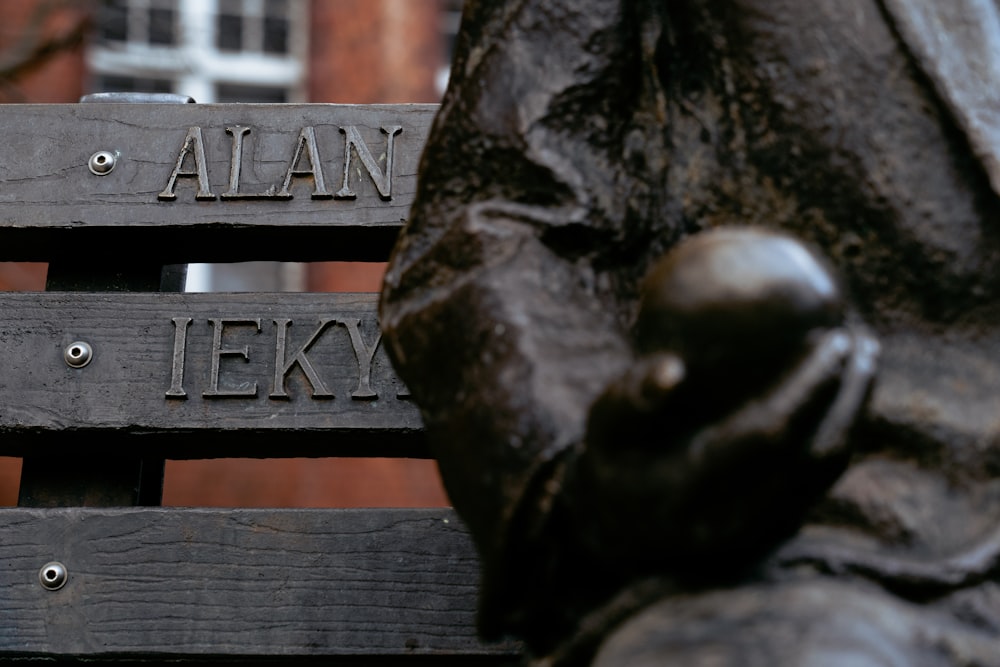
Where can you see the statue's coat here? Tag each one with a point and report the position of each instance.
(581, 139)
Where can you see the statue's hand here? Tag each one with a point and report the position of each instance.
(663, 488)
(807, 414)
(688, 467)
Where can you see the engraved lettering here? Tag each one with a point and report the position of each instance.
(237, 132)
(306, 143)
(364, 354)
(218, 352)
(194, 146)
(282, 366)
(180, 345)
(383, 181)
(219, 383)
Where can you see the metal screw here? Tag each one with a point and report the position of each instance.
(102, 162)
(78, 354)
(53, 576)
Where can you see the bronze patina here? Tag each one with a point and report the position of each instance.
(699, 302)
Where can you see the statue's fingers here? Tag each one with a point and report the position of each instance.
(782, 416)
(644, 389)
(660, 376)
(831, 435)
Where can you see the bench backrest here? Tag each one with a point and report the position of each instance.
(112, 370)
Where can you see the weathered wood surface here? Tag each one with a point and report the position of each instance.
(235, 583)
(159, 370)
(78, 478)
(52, 206)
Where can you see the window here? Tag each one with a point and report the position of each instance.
(229, 26)
(113, 19)
(142, 21)
(259, 26)
(161, 25)
(275, 26)
(213, 51)
(130, 84)
(451, 18)
(231, 92)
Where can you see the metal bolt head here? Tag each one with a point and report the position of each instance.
(102, 162)
(78, 354)
(53, 576)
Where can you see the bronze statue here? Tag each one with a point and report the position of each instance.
(699, 301)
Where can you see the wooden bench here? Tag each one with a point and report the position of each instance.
(113, 370)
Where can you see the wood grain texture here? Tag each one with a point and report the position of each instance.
(53, 207)
(239, 583)
(123, 390)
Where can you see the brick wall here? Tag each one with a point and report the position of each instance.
(374, 51)
(41, 56)
(41, 60)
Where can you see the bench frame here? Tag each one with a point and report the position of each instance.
(175, 375)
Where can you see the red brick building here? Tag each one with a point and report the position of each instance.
(342, 51)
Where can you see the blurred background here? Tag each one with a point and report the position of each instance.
(343, 51)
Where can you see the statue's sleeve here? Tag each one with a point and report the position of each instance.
(494, 310)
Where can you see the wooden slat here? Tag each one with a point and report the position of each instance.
(137, 385)
(53, 207)
(206, 583)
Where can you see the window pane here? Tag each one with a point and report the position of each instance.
(451, 20)
(112, 20)
(230, 35)
(275, 35)
(276, 26)
(130, 84)
(161, 26)
(276, 8)
(229, 26)
(232, 92)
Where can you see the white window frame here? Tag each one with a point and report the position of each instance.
(451, 18)
(197, 66)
